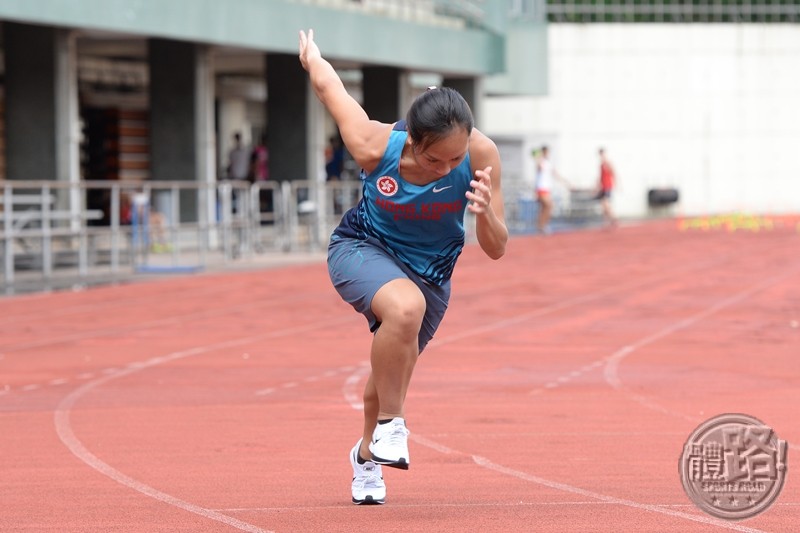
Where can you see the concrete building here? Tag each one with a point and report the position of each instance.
(698, 96)
(155, 90)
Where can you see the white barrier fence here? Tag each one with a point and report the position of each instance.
(104, 230)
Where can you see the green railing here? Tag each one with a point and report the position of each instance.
(674, 11)
(490, 15)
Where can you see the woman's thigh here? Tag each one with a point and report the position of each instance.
(359, 269)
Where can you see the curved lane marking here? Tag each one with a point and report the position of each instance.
(65, 432)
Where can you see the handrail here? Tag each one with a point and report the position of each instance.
(50, 227)
(482, 14)
(85, 230)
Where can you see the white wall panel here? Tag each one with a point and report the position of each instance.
(710, 109)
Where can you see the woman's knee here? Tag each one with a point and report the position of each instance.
(400, 304)
(407, 314)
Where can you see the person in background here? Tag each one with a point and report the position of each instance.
(546, 174)
(149, 225)
(393, 254)
(334, 166)
(238, 159)
(259, 173)
(238, 168)
(259, 160)
(334, 158)
(605, 186)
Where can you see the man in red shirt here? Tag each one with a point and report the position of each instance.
(605, 186)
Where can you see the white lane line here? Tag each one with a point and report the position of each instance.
(613, 361)
(458, 505)
(309, 379)
(352, 395)
(432, 505)
(117, 330)
(566, 304)
(353, 380)
(556, 485)
(428, 443)
(563, 380)
(72, 442)
(63, 425)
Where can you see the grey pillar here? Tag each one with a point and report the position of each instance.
(381, 87)
(179, 93)
(469, 88)
(37, 100)
(287, 118)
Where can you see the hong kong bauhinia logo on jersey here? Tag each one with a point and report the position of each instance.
(387, 185)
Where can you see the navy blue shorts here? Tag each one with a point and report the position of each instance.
(358, 268)
(603, 195)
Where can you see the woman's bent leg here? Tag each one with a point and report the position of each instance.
(371, 409)
(400, 307)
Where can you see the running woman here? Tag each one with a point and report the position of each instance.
(393, 254)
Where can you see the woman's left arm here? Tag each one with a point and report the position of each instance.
(486, 196)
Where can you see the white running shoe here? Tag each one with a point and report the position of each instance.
(368, 486)
(389, 444)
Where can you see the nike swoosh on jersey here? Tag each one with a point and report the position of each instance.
(440, 189)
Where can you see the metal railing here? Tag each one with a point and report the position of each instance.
(53, 234)
(108, 230)
(449, 13)
(674, 11)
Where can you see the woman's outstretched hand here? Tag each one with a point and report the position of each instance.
(308, 48)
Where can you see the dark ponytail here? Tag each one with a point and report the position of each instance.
(435, 113)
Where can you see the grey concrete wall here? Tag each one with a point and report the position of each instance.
(287, 112)
(172, 110)
(30, 101)
(173, 116)
(469, 88)
(381, 87)
(272, 25)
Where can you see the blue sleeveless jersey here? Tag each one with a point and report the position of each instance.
(421, 225)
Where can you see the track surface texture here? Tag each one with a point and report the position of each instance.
(557, 395)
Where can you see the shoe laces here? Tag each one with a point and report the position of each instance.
(369, 476)
(396, 435)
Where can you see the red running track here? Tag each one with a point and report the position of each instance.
(557, 395)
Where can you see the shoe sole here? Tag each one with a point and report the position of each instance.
(369, 500)
(401, 463)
